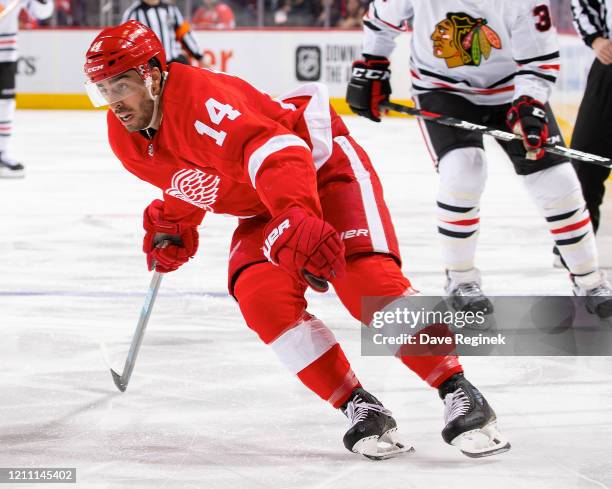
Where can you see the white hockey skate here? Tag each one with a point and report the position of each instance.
(373, 432)
(471, 424)
(465, 293)
(598, 292)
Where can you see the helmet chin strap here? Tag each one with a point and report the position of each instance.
(155, 98)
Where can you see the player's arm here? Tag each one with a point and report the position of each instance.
(40, 9)
(184, 35)
(535, 50)
(171, 219)
(171, 233)
(281, 169)
(588, 20)
(370, 79)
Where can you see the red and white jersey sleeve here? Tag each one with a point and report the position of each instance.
(490, 52)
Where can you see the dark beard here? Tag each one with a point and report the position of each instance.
(146, 109)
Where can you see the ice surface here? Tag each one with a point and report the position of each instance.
(208, 405)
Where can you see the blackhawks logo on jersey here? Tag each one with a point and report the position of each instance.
(462, 40)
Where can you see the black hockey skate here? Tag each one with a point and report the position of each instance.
(10, 168)
(373, 431)
(471, 424)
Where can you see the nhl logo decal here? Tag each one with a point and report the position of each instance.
(308, 63)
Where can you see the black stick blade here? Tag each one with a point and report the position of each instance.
(117, 379)
(317, 283)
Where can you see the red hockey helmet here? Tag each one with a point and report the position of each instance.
(118, 49)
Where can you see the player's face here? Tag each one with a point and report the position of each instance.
(442, 37)
(135, 109)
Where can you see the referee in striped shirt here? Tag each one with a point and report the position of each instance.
(170, 26)
(593, 21)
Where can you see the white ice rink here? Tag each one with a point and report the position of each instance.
(208, 405)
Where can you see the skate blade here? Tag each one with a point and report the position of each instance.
(482, 442)
(13, 174)
(387, 446)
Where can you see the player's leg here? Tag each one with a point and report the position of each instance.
(273, 305)
(373, 270)
(9, 168)
(460, 161)
(591, 135)
(470, 422)
(555, 188)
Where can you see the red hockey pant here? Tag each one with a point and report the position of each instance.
(273, 303)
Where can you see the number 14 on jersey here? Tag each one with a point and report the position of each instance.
(216, 112)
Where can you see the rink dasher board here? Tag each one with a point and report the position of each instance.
(50, 65)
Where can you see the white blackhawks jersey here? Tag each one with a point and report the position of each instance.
(9, 24)
(488, 51)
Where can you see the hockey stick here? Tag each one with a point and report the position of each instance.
(9, 8)
(496, 133)
(317, 283)
(121, 381)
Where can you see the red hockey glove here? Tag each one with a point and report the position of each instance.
(369, 86)
(181, 241)
(305, 246)
(527, 118)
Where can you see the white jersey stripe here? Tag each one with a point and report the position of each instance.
(271, 146)
(375, 224)
(318, 120)
(303, 344)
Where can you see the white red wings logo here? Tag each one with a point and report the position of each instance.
(196, 187)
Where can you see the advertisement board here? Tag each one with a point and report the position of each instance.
(276, 61)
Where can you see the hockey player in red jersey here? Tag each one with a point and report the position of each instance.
(291, 172)
(492, 63)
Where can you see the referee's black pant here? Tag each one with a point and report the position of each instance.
(593, 134)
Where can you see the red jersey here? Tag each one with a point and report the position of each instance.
(225, 147)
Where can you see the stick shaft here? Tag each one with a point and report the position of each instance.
(9, 8)
(496, 133)
(145, 314)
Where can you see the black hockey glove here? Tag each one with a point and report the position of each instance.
(369, 86)
(527, 118)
